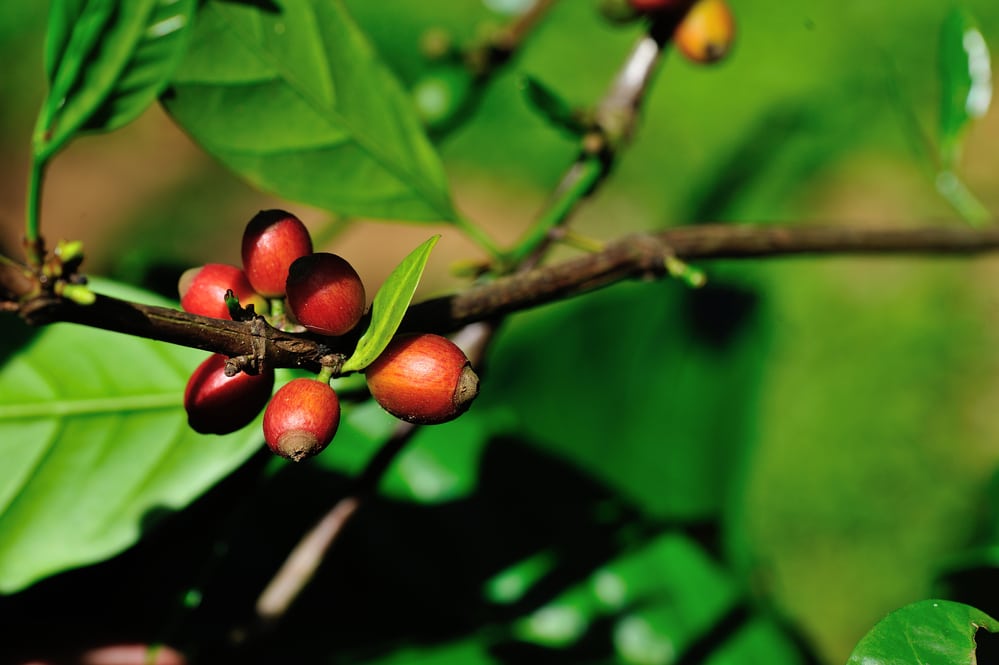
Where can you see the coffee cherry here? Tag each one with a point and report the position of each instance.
(273, 239)
(202, 290)
(424, 379)
(657, 6)
(325, 293)
(220, 404)
(301, 419)
(706, 33)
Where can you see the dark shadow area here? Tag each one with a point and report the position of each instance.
(717, 314)
(987, 646)
(268, 6)
(403, 574)
(15, 334)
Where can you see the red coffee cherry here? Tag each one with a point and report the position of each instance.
(220, 404)
(656, 6)
(301, 419)
(706, 33)
(272, 241)
(202, 290)
(325, 293)
(424, 379)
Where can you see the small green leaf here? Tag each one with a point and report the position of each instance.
(930, 631)
(966, 81)
(390, 306)
(95, 444)
(552, 106)
(107, 61)
(294, 99)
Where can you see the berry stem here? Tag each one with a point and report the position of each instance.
(325, 374)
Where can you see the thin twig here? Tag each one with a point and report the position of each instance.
(628, 257)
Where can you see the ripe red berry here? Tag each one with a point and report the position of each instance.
(424, 379)
(301, 419)
(325, 293)
(655, 6)
(202, 290)
(272, 241)
(220, 404)
(706, 32)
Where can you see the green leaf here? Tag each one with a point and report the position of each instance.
(389, 307)
(95, 444)
(291, 96)
(931, 631)
(107, 61)
(965, 80)
(660, 363)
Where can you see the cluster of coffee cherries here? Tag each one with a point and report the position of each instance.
(419, 378)
(704, 34)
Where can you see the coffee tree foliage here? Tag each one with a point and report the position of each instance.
(756, 470)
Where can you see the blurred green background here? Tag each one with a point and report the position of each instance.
(862, 392)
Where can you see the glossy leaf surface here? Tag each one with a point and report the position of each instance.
(965, 78)
(930, 631)
(389, 306)
(107, 62)
(96, 445)
(291, 96)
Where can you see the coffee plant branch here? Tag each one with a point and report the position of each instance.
(634, 256)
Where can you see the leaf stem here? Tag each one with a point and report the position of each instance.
(32, 233)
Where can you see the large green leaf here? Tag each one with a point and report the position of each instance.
(95, 444)
(291, 96)
(930, 631)
(630, 384)
(107, 61)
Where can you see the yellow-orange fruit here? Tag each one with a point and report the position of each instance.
(424, 379)
(301, 419)
(706, 32)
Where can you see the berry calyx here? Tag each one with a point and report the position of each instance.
(202, 290)
(272, 241)
(706, 32)
(424, 379)
(301, 419)
(220, 404)
(325, 293)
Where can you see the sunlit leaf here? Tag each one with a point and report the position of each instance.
(930, 631)
(291, 96)
(96, 445)
(107, 62)
(966, 81)
(389, 306)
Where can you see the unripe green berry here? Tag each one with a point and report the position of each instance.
(325, 294)
(202, 290)
(301, 419)
(272, 241)
(424, 379)
(441, 94)
(706, 33)
(220, 404)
